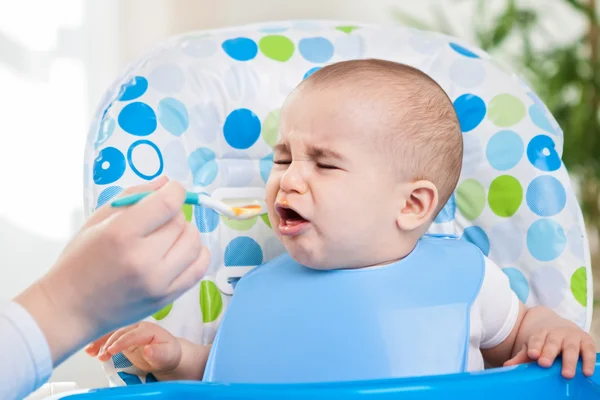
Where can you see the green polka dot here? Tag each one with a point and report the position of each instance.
(470, 199)
(239, 225)
(265, 218)
(505, 195)
(163, 313)
(346, 28)
(211, 303)
(188, 211)
(505, 110)
(277, 47)
(579, 286)
(270, 128)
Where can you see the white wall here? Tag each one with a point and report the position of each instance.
(56, 60)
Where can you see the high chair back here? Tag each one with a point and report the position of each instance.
(203, 109)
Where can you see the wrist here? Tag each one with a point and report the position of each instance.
(191, 364)
(56, 314)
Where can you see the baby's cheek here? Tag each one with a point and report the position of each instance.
(271, 189)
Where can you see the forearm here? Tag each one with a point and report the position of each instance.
(192, 364)
(64, 330)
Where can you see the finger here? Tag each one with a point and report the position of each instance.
(588, 355)
(135, 338)
(535, 345)
(570, 356)
(161, 356)
(161, 240)
(106, 210)
(184, 252)
(191, 275)
(94, 348)
(551, 349)
(519, 358)
(104, 355)
(153, 211)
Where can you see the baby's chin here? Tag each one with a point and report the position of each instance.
(310, 258)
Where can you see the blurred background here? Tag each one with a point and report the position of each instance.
(57, 58)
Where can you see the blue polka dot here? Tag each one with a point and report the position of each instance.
(462, 50)
(129, 379)
(265, 165)
(541, 152)
(536, 100)
(237, 169)
(120, 361)
(477, 236)
(504, 150)
(546, 196)
(240, 49)
(243, 251)
(310, 72)
(549, 286)
(107, 194)
(167, 78)
(146, 160)
(105, 131)
(576, 245)
(109, 166)
(199, 47)
(204, 166)
(518, 283)
(506, 242)
(539, 118)
(241, 128)
(317, 49)
(546, 239)
(350, 47)
(470, 110)
(467, 72)
(206, 218)
(175, 157)
(173, 116)
(137, 119)
(447, 213)
(133, 89)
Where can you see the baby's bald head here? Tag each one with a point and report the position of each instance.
(420, 134)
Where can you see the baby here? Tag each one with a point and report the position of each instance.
(368, 153)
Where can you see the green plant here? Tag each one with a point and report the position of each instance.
(565, 76)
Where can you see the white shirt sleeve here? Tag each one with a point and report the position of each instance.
(25, 359)
(498, 306)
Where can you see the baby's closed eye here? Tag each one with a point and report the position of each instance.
(326, 166)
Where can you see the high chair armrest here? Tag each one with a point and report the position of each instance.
(527, 382)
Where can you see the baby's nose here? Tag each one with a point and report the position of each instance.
(294, 180)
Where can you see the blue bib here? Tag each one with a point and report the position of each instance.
(289, 323)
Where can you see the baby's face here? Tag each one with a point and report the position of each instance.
(330, 196)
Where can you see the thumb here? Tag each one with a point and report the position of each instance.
(163, 357)
(519, 358)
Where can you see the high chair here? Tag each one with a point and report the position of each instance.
(203, 109)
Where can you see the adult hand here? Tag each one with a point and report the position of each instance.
(123, 265)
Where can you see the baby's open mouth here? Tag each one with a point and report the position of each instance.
(288, 215)
(291, 223)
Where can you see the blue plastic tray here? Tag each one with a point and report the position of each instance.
(528, 381)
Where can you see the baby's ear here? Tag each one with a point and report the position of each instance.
(420, 202)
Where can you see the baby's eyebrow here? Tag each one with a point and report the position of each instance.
(322, 152)
(314, 152)
(281, 148)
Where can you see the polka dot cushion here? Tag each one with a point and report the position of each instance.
(203, 109)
